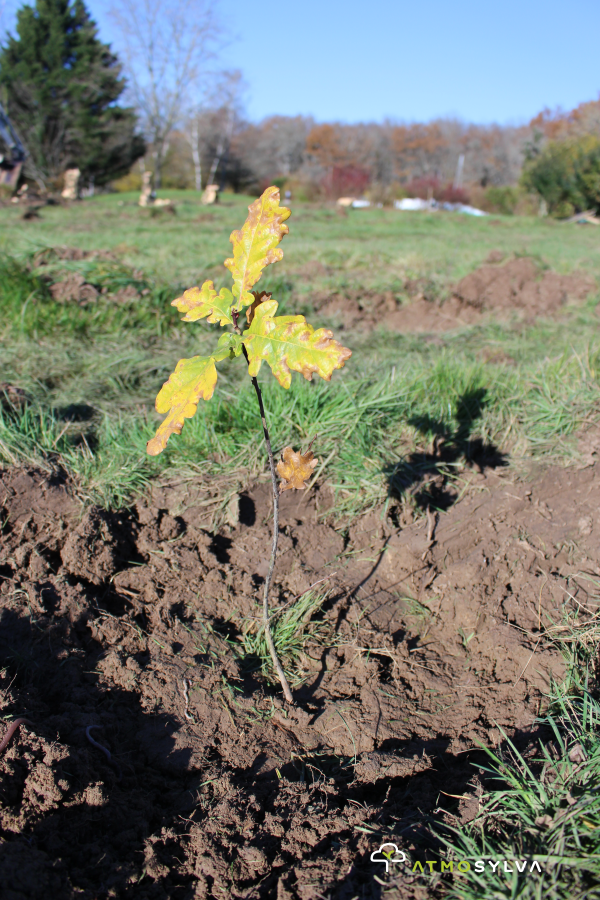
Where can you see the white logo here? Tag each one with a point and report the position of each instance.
(388, 853)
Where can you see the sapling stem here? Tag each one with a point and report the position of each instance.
(266, 617)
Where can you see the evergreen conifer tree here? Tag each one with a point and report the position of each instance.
(61, 84)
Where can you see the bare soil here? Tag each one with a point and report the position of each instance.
(517, 289)
(129, 622)
(71, 287)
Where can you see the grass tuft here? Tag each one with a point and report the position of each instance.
(545, 808)
(292, 626)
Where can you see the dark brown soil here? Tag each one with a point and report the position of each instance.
(428, 643)
(519, 289)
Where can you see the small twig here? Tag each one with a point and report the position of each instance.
(106, 752)
(431, 522)
(545, 582)
(12, 728)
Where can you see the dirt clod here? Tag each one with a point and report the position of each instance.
(90, 550)
(74, 288)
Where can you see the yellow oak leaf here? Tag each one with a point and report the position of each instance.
(289, 343)
(295, 469)
(204, 302)
(193, 379)
(255, 244)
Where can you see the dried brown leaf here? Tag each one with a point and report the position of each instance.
(258, 299)
(295, 469)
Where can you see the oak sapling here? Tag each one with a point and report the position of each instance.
(286, 343)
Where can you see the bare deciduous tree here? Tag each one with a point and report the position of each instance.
(210, 126)
(167, 45)
(228, 101)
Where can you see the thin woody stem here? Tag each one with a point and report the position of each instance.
(266, 619)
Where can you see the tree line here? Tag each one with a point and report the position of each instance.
(163, 103)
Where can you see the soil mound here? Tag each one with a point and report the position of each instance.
(357, 310)
(73, 288)
(518, 288)
(207, 786)
(520, 285)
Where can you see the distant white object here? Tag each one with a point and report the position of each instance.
(413, 204)
(360, 204)
(345, 201)
(472, 210)
(147, 196)
(464, 208)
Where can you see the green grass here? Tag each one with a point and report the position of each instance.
(292, 626)
(374, 435)
(375, 248)
(29, 310)
(92, 372)
(544, 808)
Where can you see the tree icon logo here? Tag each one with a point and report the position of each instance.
(388, 853)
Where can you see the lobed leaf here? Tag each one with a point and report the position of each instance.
(255, 245)
(192, 380)
(295, 469)
(289, 343)
(204, 302)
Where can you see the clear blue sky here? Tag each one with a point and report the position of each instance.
(362, 61)
(358, 61)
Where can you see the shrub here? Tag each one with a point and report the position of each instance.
(346, 181)
(452, 194)
(566, 174)
(130, 182)
(425, 188)
(501, 200)
(430, 187)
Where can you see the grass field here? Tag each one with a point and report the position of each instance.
(92, 372)
(370, 248)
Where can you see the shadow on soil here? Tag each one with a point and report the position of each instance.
(448, 448)
(99, 836)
